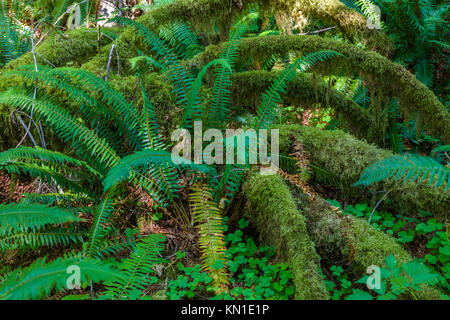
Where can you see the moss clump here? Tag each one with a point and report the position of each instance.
(281, 225)
(346, 157)
(382, 75)
(247, 89)
(353, 237)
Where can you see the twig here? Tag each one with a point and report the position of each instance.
(376, 206)
(111, 53)
(317, 31)
(27, 131)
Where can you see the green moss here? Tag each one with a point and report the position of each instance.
(159, 93)
(381, 74)
(346, 157)
(71, 48)
(247, 89)
(332, 233)
(281, 225)
(351, 23)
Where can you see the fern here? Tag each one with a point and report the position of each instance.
(409, 167)
(137, 270)
(268, 110)
(218, 113)
(145, 159)
(193, 110)
(81, 86)
(211, 230)
(179, 35)
(176, 73)
(99, 228)
(20, 217)
(30, 225)
(41, 277)
(67, 128)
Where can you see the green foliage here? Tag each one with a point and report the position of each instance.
(268, 110)
(12, 43)
(398, 279)
(210, 228)
(418, 29)
(407, 168)
(179, 36)
(41, 277)
(411, 231)
(252, 274)
(24, 225)
(341, 278)
(137, 269)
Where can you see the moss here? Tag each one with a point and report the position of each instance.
(72, 48)
(346, 157)
(159, 93)
(351, 23)
(352, 237)
(280, 224)
(379, 72)
(247, 89)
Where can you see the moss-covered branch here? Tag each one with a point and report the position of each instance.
(351, 238)
(74, 47)
(351, 23)
(382, 75)
(280, 224)
(304, 91)
(346, 157)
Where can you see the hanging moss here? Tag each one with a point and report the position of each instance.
(247, 89)
(392, 78)
(346, 157)
(353, 237)
(281, 225)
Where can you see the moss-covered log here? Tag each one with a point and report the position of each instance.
(346, 157)
(382, 75)
(281, 225)
(304, 91)
(351, 238)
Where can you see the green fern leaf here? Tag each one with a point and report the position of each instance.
(407, 168)
(41, 277)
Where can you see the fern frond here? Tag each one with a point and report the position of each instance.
(180, 36)
(81, 86)
(67, 128)
(218, 113)
(99, 228)
(407, 168)
(48, 237)
(52, 157)
(268, 109)
(176, 73)
(31, 225)
(137, 269)
(67, 198)
(229, 184)
(46, 174)
(211, 231)
(145, 159)
(193, 110)
(150, 134)
(42, 277)
(20, 217)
